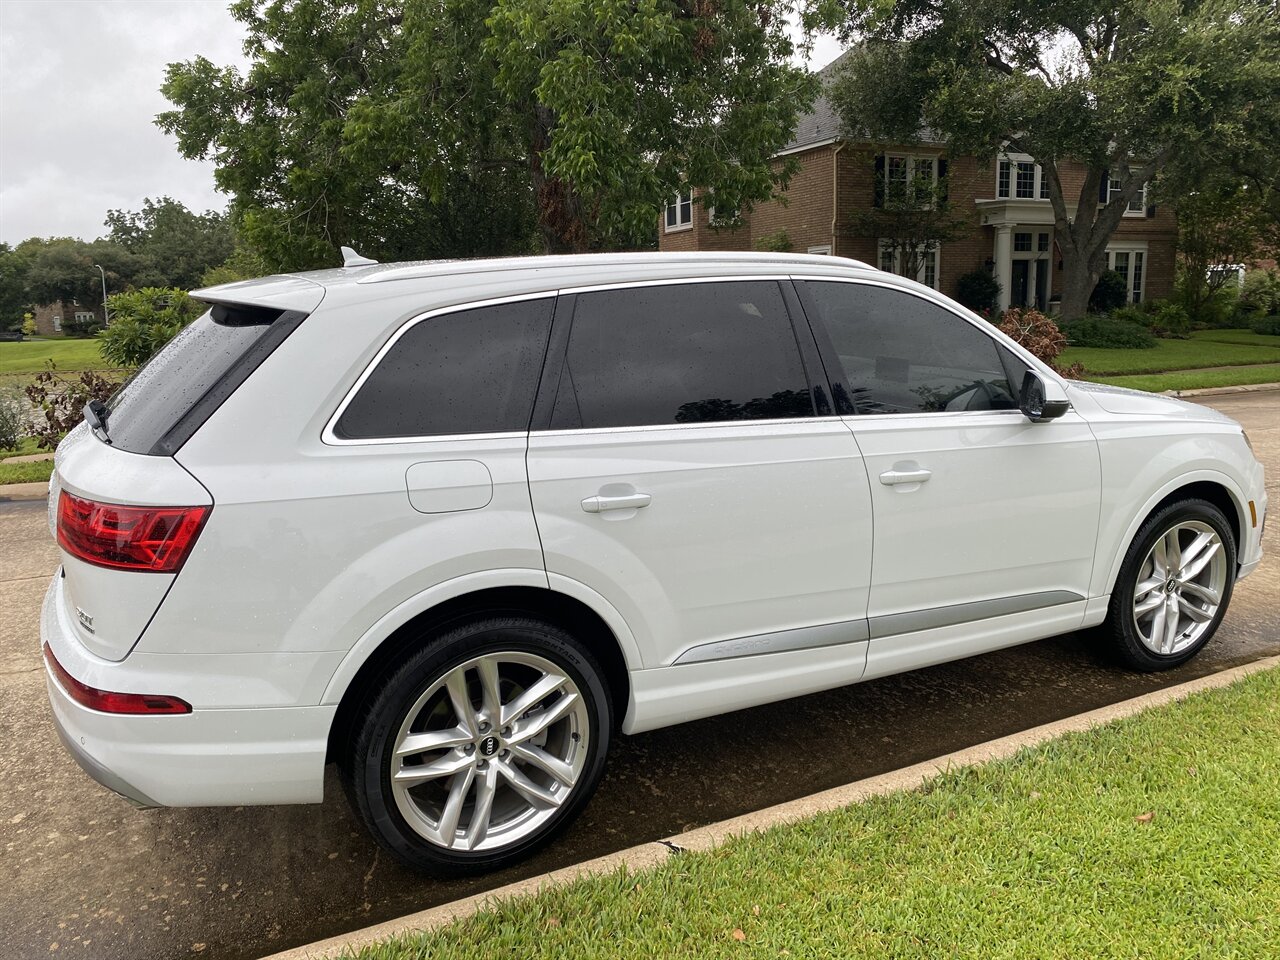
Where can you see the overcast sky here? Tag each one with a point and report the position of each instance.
(79, 90)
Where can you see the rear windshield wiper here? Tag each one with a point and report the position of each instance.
(95, 412)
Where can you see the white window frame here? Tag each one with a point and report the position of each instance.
(883, 249)
(1132, 247)
(678, 204)
(57, 323)
(83, 316)
(1039, 185)
(731, 224)
(1113, 187)
(911, 160)
(823, 250)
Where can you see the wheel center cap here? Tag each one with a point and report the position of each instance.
(488, 746)
(1171, 585)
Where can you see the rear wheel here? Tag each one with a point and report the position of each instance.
(480, 747)
(1174, 586)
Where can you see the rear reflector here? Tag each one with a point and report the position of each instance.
(108, 702)
(145, 539)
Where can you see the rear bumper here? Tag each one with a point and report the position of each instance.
(209, 757)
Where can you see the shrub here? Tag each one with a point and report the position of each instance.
(1110, 292)
(12, 420)
(143, 321)
(978, 290)
(28, 325)
(1268, 325)
(777, 242)
(1037, 333)
(1260, 295)
(1112, 333)
(61, 399)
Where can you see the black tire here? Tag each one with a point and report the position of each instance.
(368, 759)
(1120, 629)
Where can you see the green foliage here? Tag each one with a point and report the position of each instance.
(243, 264)
(978, 290)
(143, 321)
(14, 265)
(1128, 88)
(1110, 293)
(1261, 292)
(176, 245)
(427, 128)
(1267, 325)
(62, 268)
(29, 325)
(13, 425)
(776, 242)
(1109, 333)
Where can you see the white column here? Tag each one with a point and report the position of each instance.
(1003, 257)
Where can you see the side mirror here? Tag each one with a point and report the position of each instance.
(1040, 400)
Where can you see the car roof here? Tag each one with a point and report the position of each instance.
(303, 290)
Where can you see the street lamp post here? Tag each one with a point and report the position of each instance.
(106, 317)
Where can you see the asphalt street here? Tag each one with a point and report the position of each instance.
(83, 874)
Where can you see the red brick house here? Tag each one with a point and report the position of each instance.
(1004, 203)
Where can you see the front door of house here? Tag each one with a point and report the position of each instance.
(1020, 283)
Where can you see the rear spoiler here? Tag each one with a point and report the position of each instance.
(277, 293)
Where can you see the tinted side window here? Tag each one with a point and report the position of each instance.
(902, 354)
(474, 371)
(685, 353)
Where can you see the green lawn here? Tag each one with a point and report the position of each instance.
(1154, 837)
(29, 356)
(1207, 348)
(39, 470)
(26, 446)
(1195, 379)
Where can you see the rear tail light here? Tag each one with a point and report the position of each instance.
(108, 702)
(145, 539)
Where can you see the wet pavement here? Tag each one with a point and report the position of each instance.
(83, 874)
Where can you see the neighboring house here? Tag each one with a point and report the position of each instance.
(53, 319)
(1003, 202)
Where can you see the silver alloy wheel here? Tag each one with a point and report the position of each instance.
(1180, 587)
(490, 751)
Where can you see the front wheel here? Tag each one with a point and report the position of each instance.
(1174, 586)
(480, 747)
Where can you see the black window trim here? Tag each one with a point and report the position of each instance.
(329, 435)
(557, 350)
(845, 405)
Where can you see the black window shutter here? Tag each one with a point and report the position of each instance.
(1104, 188)
(942, 179)
(878, 199)
(1151, 210)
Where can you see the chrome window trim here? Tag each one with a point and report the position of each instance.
(330, 438)
(671, 281)
(703, 424)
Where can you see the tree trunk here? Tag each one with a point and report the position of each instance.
(1078, 281)
(561, 222)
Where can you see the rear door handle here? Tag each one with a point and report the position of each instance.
(630, 501)
(891, 477)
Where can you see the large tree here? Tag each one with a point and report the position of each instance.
(1125, 87)
(64, 268)
(456, 125)
(177, 244)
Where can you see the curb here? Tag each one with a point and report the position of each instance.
(1221, 391)
(24, 491)
(711, 836)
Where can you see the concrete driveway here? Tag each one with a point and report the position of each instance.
(83, 874)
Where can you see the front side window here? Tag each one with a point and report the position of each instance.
(473, 371)
(680, 211)
(681, 353)
(903, 354)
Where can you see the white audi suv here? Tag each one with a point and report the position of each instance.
(455, 525)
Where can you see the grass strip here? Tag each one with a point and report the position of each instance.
(1166, 355)
(1196, 379)
(1157, 836)
(39, 471)
(29, 356)
(27, 445)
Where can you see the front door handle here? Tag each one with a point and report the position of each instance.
(891, 477)
(629, 501)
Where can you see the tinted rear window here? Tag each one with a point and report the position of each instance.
(474, 371)
(170, 384)
(681, 353)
